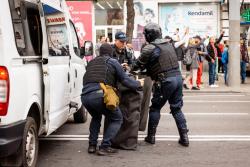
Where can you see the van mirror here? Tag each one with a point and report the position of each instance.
(87, 49)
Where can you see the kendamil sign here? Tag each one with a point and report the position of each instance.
(200, 13)
(202, 19)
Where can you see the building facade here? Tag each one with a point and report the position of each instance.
(202, 17)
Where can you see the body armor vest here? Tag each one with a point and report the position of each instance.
(167, 61)
(98, 70)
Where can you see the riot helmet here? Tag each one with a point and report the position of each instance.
(152, 31)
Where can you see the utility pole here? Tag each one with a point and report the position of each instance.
(234, 45)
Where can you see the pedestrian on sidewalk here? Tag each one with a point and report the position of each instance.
(102, 74)
(212, 49)
(224, 60)
(159, 58)
(244, 59)
(101, 40)
(191, 51)
(221, 47)
(202, 53)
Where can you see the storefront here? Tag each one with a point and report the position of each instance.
(109, 18)
(106, 17)
(202, 17)
(82, 16)
(245, 21)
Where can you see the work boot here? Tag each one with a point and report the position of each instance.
(92, 149)
(106, 151)
(184, 141)
(150, 138)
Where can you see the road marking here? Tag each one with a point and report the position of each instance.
(209, 138)
(215, 101)
(211, 114)
(214, 95)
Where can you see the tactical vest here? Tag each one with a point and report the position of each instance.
(98, 70)
(167, 61)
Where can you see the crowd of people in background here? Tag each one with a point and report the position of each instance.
(192, 52)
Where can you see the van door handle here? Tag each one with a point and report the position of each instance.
(35, 60)
(75, 73)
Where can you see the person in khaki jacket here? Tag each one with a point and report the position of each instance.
(103, 73)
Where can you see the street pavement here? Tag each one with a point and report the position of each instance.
(219, 124)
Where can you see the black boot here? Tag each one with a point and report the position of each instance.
(92, 149)
(184, 141)
(151, 135)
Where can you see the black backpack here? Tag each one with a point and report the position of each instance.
(187, 60)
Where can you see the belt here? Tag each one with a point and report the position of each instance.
(161, 76)
(97, 91)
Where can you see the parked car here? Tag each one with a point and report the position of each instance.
(41, 71)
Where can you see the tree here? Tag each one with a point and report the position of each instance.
(130, 19)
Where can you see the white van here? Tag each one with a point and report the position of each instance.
(41, 71)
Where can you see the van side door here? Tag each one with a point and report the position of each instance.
(77, 66)
(56, 68)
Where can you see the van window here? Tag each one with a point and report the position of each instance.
(35, 29)
(56, 31)
(27, 27)
(75, 40)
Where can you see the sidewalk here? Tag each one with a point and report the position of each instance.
(244, 88)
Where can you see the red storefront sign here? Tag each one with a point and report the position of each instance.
(81, 13)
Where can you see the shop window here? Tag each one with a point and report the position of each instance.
(27, 27)
(56, 32)
(109, 12)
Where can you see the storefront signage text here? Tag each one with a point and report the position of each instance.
(56, 20)
(200, 13)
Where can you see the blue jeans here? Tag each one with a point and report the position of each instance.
(243, 71)
(216, 68)
(170, 89)
(93, 102)
(225, 73)
(211, 71)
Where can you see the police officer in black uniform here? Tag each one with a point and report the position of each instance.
(159, 58)
(103, 69)
(120, 51)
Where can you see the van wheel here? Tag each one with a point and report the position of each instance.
(30, 143)
(81, 115)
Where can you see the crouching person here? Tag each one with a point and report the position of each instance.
(99, 97)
